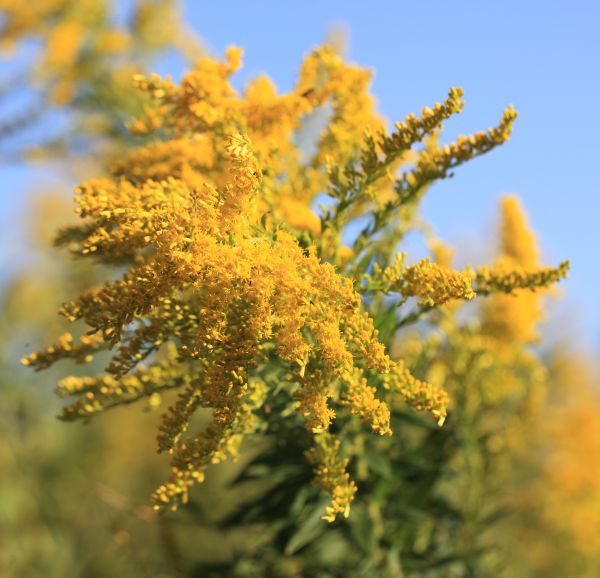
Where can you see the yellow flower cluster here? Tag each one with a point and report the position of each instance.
(331, 475)
(414, 129)
(96, 394)
(221, 281)
(431, 283)
(206, 102)
(326, 78)
(436, 162)
(65, 348)
(354, 184)
(504, 278)
(203, 275)
(435, 285)
(514, 311)
(361, 399)
(417, 393)
(568, 489)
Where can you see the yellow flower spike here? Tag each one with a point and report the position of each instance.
(331, 475)
(431, 283)
(65, 348)
(517, 282)
(234, 55)
(436, 162)
(418, 394)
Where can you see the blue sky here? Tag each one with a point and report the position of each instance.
(541, 56)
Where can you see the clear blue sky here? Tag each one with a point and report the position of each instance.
(542, 56)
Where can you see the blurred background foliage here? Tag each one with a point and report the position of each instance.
(510, 486)
(75, 62)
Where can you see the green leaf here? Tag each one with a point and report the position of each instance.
(312, 527)
(378, 462)
(362, 528)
